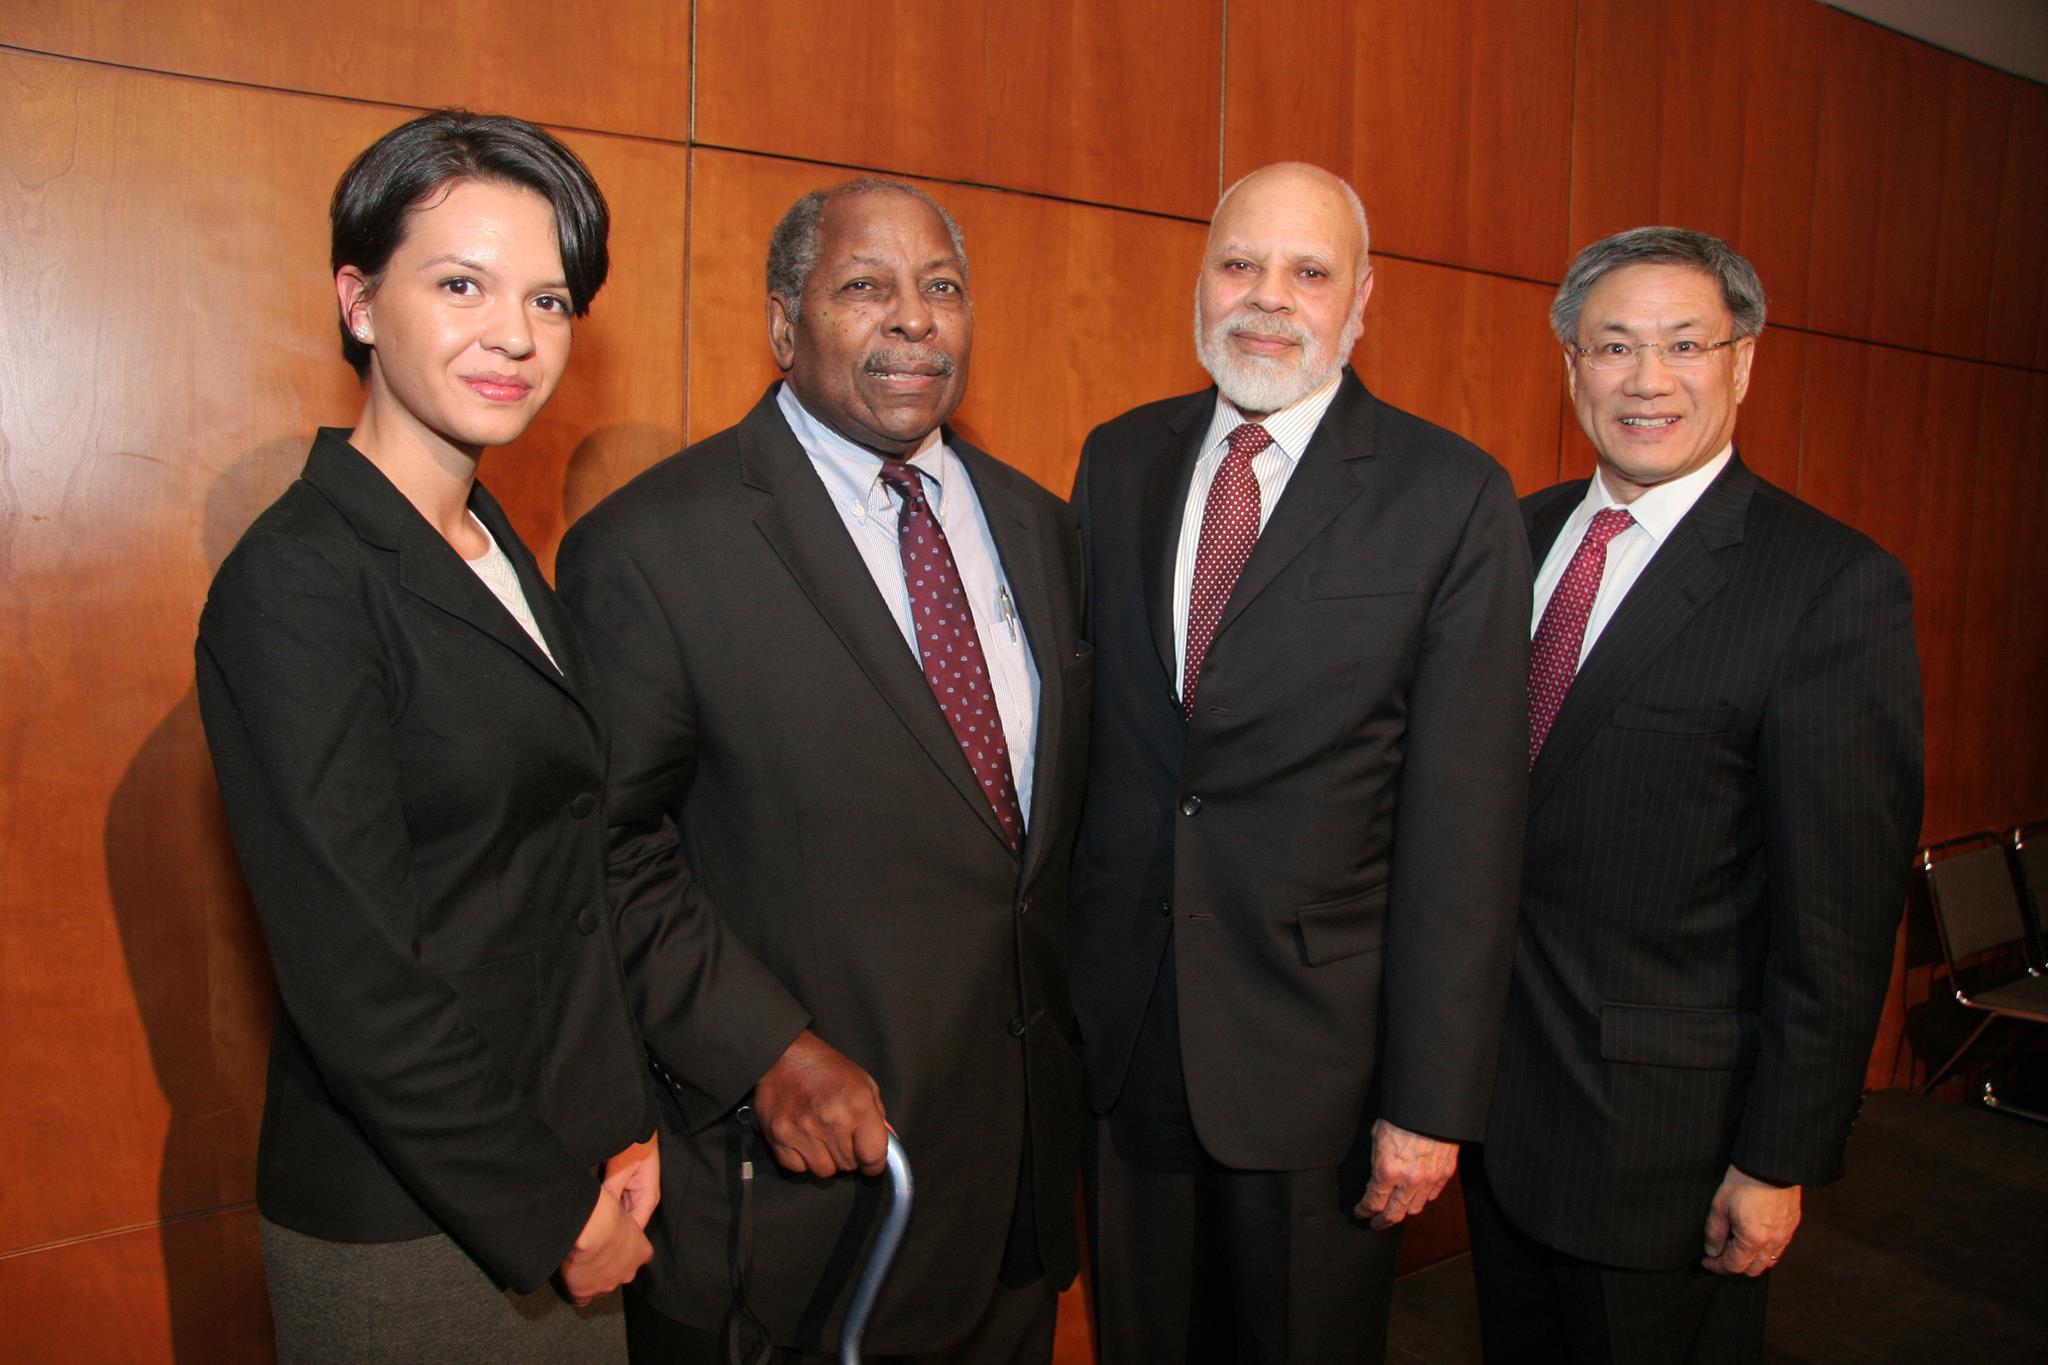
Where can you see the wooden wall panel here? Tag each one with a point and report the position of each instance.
(1976, 111)
(1769, 431)
(2001, 744)
(1891, 448)
(629, 72)
(190, 1291)
(1044, 98)
(162, 327)
(1452, 120)
(167, 345)
(1877, 155)
(1701, 116)
(1910, 156)
(1113, 104)
(1079, 312)
(1469, 352)
(2019, 266)
(901, 89)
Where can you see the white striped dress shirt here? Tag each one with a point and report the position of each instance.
(1291, 429)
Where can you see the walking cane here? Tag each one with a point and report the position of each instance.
(884, 1251)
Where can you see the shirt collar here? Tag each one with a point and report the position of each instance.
(1291, 428)
(855, 467)
(1656, 509)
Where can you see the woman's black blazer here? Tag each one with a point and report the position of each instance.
(417, 796)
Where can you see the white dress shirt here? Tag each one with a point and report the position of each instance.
(1656, 511)
(867, 507)
(1291, 429)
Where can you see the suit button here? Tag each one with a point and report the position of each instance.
(1190, 804)
(584, 806)
(1024, 906)
(1017, 1027)
(1165, 906)
(588, 921)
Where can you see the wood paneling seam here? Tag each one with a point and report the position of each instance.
(228, 83)
(100, 1236)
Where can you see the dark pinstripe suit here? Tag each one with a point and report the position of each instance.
(1720, 827)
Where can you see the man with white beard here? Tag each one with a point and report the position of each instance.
(1293, 900)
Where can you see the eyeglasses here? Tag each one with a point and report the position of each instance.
(1619, 355)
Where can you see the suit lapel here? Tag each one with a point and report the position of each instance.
(805, 530)
(1323, 484)
(1167, 477)
(568, 669)
(1020, 551)
(1683, 576)
(428, 566)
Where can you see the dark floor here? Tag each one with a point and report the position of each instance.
(1934, 1248)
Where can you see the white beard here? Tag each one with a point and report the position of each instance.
(1263, 384)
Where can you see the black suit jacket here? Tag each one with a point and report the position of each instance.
(1330, 848)
(798, 840)
(1720, 829)
(417, 794)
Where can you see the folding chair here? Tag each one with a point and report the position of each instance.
(1984, 937)
(2029, 845)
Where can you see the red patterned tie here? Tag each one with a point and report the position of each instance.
(1230, 528)
(949, 647)
(1554, 653)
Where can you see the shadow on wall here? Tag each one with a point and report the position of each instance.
(202, 984)
(608, 457)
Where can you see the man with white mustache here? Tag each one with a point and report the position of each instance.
(1292, 907)
(848, 702)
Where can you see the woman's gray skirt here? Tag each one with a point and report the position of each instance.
(421, 1302)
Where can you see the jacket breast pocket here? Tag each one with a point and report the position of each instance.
(1662, 1035)
(1331, 931)
(1664, 718)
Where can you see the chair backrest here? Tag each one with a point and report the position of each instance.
(2030, 858)
(1976, 903)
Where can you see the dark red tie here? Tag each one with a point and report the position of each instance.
(1230, 528)
(1554, 653)
(950, 648)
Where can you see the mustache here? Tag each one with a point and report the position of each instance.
(1251, 322)
(909, 360)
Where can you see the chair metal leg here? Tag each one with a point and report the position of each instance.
(1949, 1065)
(1989, 1099)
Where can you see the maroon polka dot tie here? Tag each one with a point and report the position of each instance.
(1230, 528)
(949, 647)
(1554, 653)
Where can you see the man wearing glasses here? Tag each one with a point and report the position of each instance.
(1725, 755)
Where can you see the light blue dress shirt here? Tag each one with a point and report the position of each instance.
(868, 508)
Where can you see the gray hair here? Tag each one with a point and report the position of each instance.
(793, 246)
(1351, 200)
(1741, 290)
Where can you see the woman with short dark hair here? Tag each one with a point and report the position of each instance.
(403, 730)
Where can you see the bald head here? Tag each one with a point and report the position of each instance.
(1281, 298)
(1293, 187)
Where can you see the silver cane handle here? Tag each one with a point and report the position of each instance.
(884, 1251)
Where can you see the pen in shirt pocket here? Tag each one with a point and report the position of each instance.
(1006, 612)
